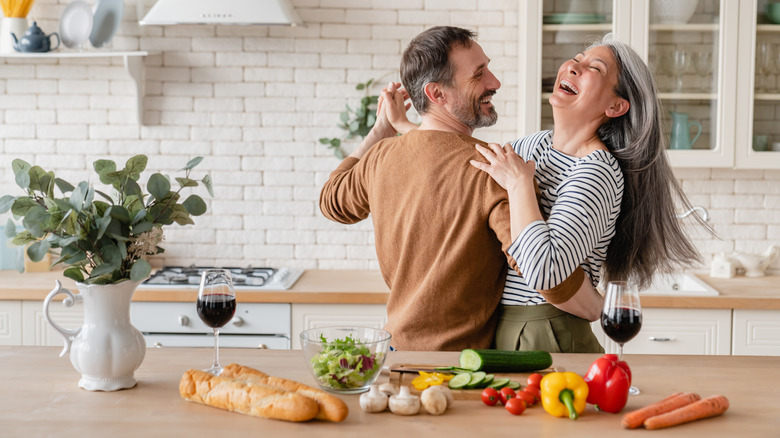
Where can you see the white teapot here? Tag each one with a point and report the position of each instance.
(755, 264)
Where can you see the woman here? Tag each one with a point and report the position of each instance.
(607, 199)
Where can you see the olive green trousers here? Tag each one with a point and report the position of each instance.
(544, 327)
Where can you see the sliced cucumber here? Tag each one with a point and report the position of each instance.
(460, 381)
(513, 384)
(499, 383)
(476, 379)
(487, 381)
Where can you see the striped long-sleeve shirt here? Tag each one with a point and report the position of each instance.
(580, 197)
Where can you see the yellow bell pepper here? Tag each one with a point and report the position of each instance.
(563, 394)
(425, 380)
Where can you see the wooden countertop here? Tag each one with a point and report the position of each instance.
(41, 397)
(367, 287)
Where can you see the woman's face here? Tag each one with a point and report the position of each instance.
(586, 83)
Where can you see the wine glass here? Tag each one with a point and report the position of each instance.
(702, 64)
(679, 62)
(621, 317)
(763, 65)
(216, 306)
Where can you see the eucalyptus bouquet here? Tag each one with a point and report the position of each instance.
(102, 240)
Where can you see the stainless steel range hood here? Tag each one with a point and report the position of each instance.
(245, 12)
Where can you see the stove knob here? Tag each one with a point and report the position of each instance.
(184, 320)
(262, 347)
(237, 321)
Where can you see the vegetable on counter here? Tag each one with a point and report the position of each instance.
(637, 418)
(705, 408)
(564, 393)
(425, 379)
(504, 360)
(344, 364)
(404, 403)
(608, 381)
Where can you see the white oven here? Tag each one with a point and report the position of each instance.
(255, 325)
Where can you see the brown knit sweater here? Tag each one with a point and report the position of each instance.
(442, 230)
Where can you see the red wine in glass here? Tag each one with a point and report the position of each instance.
(622, 324)
(216, 306)
(216, 310)
(621, 317)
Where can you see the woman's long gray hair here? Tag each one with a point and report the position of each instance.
(649, 237)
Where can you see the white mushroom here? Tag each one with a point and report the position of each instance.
(404, 403)
(373, 400)
(388, 389)
(434, 401)
(447, 393)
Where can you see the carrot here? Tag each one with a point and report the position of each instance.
(636, 418)
(708, 407)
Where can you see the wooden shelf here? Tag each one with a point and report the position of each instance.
(686, 27)
(134, 64)
(577, 27)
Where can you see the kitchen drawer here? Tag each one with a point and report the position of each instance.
(250, 318)
(35, 329)
(756, 332)
(308, 316)
(678, 331)
(225, 341)
(10, 323)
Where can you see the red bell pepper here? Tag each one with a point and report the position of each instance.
(608, 382)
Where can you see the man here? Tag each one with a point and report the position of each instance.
(442, 226)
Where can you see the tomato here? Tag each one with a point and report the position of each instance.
(506, 394)
(527, 397)
(490, 396)
(534, 392)
(515, 406)
(534, 379)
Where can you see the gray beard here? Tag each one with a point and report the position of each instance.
(472, 117)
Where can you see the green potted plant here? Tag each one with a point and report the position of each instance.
(104, 239)
(355, 122)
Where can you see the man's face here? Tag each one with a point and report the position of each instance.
(473, 88)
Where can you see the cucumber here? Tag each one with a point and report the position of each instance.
(499, 383)
(476, 380)
(513, 384)
(453, 370)
(460, 381)
(488, 380)
(504, 360)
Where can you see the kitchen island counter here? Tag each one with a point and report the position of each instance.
(41, 398)
(367, 287)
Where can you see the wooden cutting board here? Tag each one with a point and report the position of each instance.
(404, 373)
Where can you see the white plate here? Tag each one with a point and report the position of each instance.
(75, 24)
(108, 16)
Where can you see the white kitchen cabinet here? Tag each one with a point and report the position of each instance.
(756, 332)
(10, 322)
(677, 331)
(722, 99)
(35, 329)
(308, 316)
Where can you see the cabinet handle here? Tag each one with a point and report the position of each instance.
(237, 321)
(158, 345)
(262, 347)
(657, 339)
(184, 320)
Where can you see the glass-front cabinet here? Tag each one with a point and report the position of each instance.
(716, 65)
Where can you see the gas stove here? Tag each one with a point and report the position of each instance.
(243, 278)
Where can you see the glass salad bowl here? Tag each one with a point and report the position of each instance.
(345, 360)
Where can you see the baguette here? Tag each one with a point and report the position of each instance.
(251, 399)
(331, 408)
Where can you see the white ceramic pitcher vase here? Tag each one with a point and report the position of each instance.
(107, 348)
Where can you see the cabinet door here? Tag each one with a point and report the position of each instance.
(756, 332)
(10, 323)
(308, 316)
(35, 329)
(758, 88)
(677, 331)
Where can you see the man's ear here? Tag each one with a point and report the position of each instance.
(618, 108)
(434, 93)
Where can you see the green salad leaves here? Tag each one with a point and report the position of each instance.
(343, 363)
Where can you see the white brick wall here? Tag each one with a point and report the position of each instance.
(254, 100)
